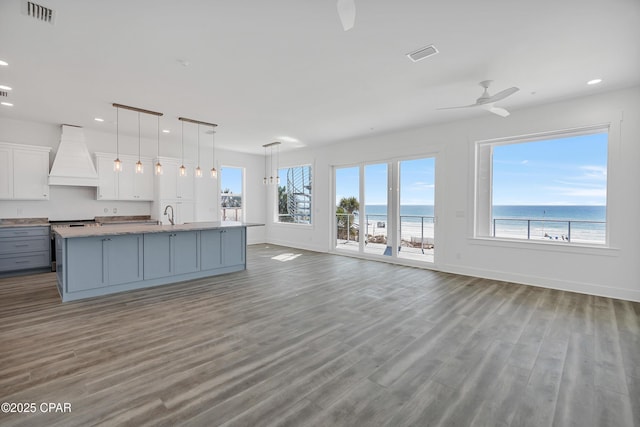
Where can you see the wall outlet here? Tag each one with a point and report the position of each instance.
(106, 210)
(115, 210)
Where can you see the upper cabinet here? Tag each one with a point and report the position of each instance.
(24, 172)
(172, 186)
(126, 184)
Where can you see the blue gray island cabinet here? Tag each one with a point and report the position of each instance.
(95, 261)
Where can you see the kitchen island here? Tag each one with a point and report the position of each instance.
(94, 261)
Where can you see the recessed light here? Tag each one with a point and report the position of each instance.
(3, 63)
(166, 131)
(98, 119)
(594, 81)
(6, 104)
(3, 87)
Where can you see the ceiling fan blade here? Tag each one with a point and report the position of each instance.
(454, 108)
(495, 110)
(502, 94)
(347, 13)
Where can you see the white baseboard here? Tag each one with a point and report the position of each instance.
(546, 282)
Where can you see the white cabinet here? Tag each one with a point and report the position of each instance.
(170, 184)
(107, 178)
(6, 173)
(24, 172)
(126, 184)
(135, 186)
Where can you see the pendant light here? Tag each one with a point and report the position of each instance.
(271, 179)
(264, 180)
(278, 163)
(158, 168)
(139, 166)
(214, 172)
(198, 170)
(117, 164)
(183, 169)
(271, 165)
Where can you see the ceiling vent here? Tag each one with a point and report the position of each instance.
(422, 53)
(39, 12)
(3, 94)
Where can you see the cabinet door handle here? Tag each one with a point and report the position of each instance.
(20, 232)
(22, 246)
(22, 262)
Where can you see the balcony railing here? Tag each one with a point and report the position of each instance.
(550, 229)
(415, 230)
(231, 214)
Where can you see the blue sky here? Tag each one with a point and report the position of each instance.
(566, 171)
(417, 179)
(231, 178)
(562, 171)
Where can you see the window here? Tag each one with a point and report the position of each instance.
(294, 195)
(547, 188)
(231, 184)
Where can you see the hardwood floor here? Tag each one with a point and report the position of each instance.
(309, 339)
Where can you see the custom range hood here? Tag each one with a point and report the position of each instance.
(73, 164)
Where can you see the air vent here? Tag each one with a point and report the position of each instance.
(39, 12)
(422, 53)
(3, 94)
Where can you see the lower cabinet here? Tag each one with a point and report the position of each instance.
(94, 262)
(168, 254)
(222, 248)
(24, 250)
(101, 265)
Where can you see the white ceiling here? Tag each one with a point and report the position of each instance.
(267, 69)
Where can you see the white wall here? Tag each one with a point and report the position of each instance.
(613, 271)
(72, 203)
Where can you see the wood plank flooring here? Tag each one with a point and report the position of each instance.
(309, 339)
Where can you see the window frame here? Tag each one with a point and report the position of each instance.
(483, 186)
(276, 217)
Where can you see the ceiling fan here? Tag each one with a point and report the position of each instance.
(347, 13)
(486, 101)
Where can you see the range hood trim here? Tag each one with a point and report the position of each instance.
(73, 165)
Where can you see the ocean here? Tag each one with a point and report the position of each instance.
(584, 224)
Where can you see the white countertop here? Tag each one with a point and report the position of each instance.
(116, 229)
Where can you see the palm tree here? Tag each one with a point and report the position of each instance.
(349, 204)
(344, 214)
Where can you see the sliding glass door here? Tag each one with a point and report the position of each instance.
(347, 218)
(417, 204)
(387, 209)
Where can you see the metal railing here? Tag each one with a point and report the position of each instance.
(547, 228)
(231, 214)
(407, 222)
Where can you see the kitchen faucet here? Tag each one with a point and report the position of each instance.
(170, 217)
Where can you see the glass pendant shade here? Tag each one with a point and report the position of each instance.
(199, 172)
(183, 171)
(139, 166)
(158, 167)
(214, 173)
(117, 164)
